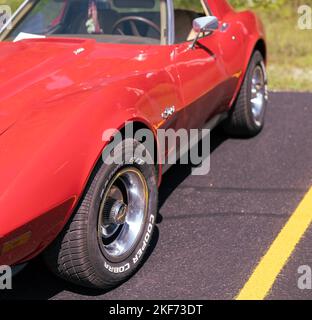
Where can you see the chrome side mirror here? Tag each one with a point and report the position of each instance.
(204, 24)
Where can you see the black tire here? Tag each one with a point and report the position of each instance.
(241, 121)
(78, 254)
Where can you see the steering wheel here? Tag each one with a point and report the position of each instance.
(134, 29)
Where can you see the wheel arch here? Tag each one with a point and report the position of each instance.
(258, 44)
(262, 48)
(138, 125)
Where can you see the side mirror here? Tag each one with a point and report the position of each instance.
(204, 24)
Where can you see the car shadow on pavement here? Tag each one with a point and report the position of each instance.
(35, 282)
(178, 173)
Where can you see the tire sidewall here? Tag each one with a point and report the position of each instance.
(106, 269)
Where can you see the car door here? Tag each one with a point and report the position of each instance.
(202, 79)
(231, 40)
(208, 72)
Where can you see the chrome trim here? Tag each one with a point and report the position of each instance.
(118, 238)
(170, 13)
(14, 15)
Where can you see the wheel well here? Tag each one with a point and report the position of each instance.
(261, 46)
(140, 125)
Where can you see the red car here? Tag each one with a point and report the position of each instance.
(72, 69)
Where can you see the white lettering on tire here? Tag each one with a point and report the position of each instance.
(121, 269)
(139, 253)
(145, 240)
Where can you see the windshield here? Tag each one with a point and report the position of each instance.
(117, 21)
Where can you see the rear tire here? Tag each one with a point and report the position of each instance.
(246, 119)
(107, 238)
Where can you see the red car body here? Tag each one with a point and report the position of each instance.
(55, 105)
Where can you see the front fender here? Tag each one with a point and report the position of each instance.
(49, 158)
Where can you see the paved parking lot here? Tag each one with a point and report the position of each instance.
(213, 230)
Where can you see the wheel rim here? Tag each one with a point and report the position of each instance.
(259, 95)
(122, 213)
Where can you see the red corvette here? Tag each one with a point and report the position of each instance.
(72, 69)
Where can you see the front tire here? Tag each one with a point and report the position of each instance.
(246, 119)
(107, 238)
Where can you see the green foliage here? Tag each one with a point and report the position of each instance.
(188, 4)
(240, 4)
(13, 3)
(265, 4)
(253, 4)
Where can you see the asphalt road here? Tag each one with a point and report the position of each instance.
(214, 229)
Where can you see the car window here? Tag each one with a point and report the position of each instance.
(184, 14)
(120, 21)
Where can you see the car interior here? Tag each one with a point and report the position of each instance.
(118, 21)
(107, 18)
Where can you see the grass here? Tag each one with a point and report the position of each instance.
(289, 49)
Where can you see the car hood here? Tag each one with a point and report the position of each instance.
(37, 71)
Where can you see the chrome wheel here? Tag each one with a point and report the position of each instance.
(122, 213)
(259, 95)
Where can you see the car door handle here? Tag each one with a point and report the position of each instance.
(168, 112)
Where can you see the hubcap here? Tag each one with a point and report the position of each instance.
(122, 213)
(259, 95)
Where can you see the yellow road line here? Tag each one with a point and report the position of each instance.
(270, 266)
